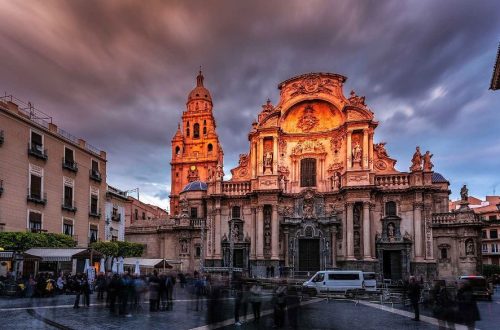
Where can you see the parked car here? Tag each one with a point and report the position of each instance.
(370, 279)
(479, 285)
(335, 281)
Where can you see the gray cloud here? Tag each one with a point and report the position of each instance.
(118, 72)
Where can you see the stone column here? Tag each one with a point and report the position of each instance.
(217, 229)
(253, 250)
(275, 155)
(260, 232)
(349, 150)
(365, 149)
(260, 157)
(286, 248)
(367, 254)
(417, 223)
(370, 151)
(350, 231)
(275, 234)
(333, 246)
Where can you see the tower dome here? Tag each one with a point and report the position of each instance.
(200, 92)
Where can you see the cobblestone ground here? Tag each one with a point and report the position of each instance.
(58, 313)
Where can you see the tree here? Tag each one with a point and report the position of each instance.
(22, 241)
(119, 249)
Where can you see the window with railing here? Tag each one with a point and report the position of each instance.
(93, 234)
(68, 197)
(485, 248)
(68, 227)
(308, 172)
(493, 233)
(194, 212)
(484, 234)
(94, 205)
(35, 193)
(69, 160)
(494, 248)
(35, 146)
(35, 222)
(95, 174)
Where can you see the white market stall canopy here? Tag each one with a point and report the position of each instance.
(147, 262)
(54, 254)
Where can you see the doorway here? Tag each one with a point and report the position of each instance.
(392, 265)
(238, 258)
(309, 256)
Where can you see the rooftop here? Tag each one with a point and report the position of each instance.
(41, 119)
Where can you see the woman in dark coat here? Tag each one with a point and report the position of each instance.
(467, 307)
(443, 306)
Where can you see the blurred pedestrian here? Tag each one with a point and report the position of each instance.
(238, 289)
(153, 292)
(255, 299)
(77, 285)
(442, 306)
(467, 306)
(414, 290)
(279, 304)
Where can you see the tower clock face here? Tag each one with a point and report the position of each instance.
(193, 167)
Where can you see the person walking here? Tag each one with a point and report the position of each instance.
(255, 300)
(238, 289)
(414, 290)
(467, 306)
(86, 291)
(442, 306)
(279, 304)
(78, 289)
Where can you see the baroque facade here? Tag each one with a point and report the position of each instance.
(314, 191)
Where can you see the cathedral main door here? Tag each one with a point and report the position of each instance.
(392, 265)
(309, 255)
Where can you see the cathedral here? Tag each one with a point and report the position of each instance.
(314, 191)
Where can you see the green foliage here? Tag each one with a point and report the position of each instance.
(490, 270)
(22, 241)
(119, 249)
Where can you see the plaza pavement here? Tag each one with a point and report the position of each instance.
(58, 313)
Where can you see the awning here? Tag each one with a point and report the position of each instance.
(147, 263)
(54, 254)
(9, 255)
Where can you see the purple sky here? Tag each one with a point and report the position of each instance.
(117, 73)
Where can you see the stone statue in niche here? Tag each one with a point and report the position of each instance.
(416, 161)
(407, 236)
(282, 182)
(267, 239)
(357, 239)
(356, 216)
(268, 162)
(184, 206)
(469, 247)
(219, 173)
(427, 161)
(184, 247)
(391, 231)
(356, 153)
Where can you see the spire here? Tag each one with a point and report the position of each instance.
(199, 79)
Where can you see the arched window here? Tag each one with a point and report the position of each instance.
(235, 212)
(204, 130)
(308, 172)
(210, 147)
(177, 151)
(187, 129)
(390, 208)
(196, 131)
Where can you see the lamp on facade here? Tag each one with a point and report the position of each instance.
(132, 190)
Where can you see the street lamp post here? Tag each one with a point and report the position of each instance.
(136, 190)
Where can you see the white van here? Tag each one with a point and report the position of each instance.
(370, 279)
(335, 280)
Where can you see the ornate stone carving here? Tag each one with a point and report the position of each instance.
(464, 193)
(379, 149)
(308, 120)
(285, 210)
(267, 230)
(310, 146)
(241, 172)
(357, 101)
(312, 84)
(469, 247)
(282, 147)
(427, 161)
(335, 167)
(357, 178)
(380, 165)
(416, 161)
(407, 236)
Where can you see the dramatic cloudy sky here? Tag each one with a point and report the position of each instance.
(117, 73)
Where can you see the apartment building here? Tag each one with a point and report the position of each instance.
(116, 205)
(490, 215)
(51, 181)
(140, 211)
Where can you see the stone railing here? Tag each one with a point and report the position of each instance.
(197, 223)
(236, 188)
(443, 218)
(393, 181)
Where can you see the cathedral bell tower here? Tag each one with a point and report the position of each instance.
(196, 150)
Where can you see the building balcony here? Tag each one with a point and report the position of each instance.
(116, 217)
(36, 230)
(37, 151)
(95, 175)
(393, 181)
(37, 198)
(1, 137)
(95, 213)
(68, 206)
(70, 165)
(236, 188)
